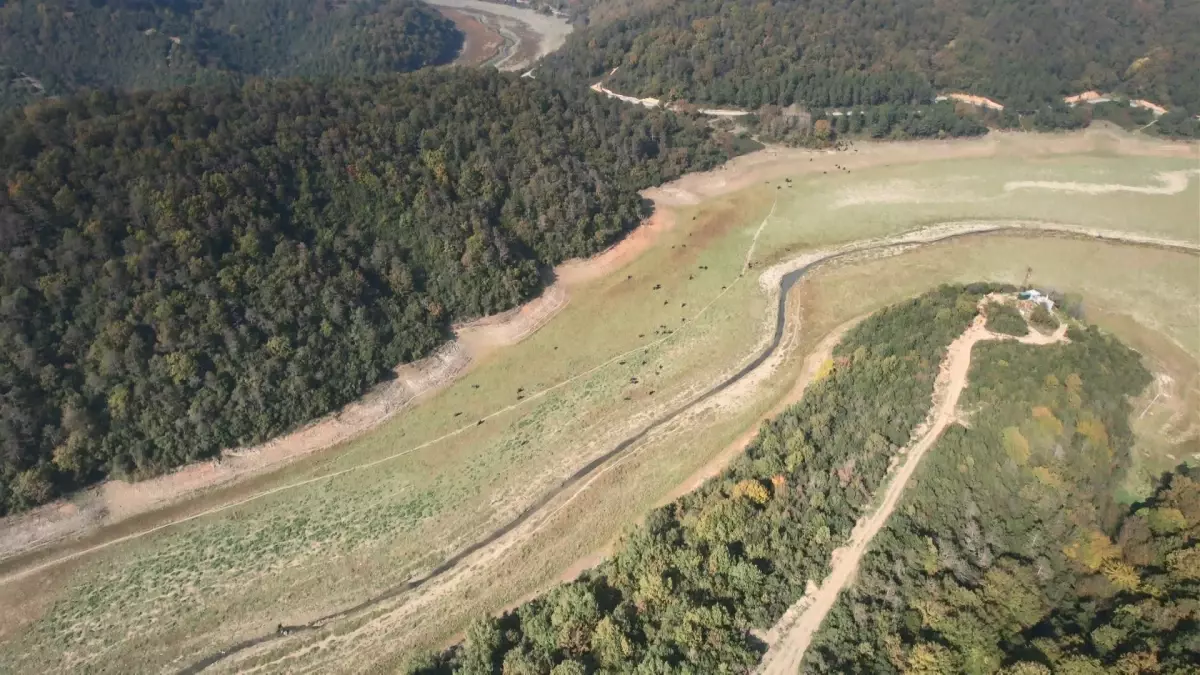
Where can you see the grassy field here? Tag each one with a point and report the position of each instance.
(160, 601)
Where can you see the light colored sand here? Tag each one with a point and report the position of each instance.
(552, 31)
(790, 638)
(1170, 183)
(980, 101)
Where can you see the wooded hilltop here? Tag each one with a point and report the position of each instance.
(881, 65)
(828, 53)
(57, 47)
(1008, 552)
(205, 268)
(1007, 555)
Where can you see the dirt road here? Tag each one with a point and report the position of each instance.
(789, 639)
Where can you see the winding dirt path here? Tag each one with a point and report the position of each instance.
(789, 639)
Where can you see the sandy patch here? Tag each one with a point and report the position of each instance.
(1169, 183)
(980, 101)
(1085, 97)
(480, 43)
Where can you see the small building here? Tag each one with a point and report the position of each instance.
(1037, 297)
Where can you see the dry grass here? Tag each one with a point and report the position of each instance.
(160, 601)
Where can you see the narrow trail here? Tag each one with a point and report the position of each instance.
(791, 637)
(754, 241)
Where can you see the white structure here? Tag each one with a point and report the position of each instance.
(1035, 296)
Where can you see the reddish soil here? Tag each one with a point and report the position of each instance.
(482, 43)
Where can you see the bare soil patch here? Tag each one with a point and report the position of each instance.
(481, 42)
(776, 162)
(981, 101)
(1169, 183)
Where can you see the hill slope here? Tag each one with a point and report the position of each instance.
(684, 592)
(1009, 554)
(197, 269)
(55, 47)
(827, 53)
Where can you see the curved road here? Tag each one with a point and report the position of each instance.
(787, 280)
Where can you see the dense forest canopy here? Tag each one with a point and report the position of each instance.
(189, 270)
(55, 47)
(1011, 525)
(832, 53)
(1008, 553)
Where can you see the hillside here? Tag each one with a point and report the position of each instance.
(198, 269)
(1009, 554)
(684, 592)
(56, 47)
(832, 54)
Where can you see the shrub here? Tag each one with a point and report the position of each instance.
(1005, 319)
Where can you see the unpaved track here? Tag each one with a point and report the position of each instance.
(790, 638)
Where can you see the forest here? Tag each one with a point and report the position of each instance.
(57, 47)
(682, 592)
(1009, 554)
(205, 268)
(832, 54)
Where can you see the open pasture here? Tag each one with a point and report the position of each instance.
(348, 524)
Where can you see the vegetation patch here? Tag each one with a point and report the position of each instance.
(1021, 562)
(257, 274)
(58, 47)
(1005, 319)
(1043, 319)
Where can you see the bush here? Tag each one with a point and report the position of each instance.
(1005, 319)
(1043, 320)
